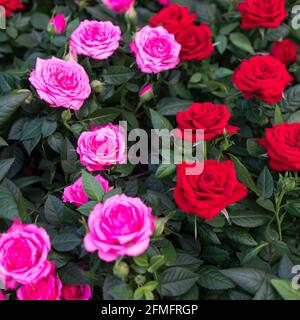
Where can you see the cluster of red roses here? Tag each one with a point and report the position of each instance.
(264, 77)
(195, 40)
(11, 6)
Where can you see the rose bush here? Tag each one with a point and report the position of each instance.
(78, 220)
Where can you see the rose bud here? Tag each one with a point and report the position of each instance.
(57, 24)
(121, 270)
(146, 93)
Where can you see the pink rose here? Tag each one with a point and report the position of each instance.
(75, 194)
(96, 39)
(155, 49)
(2, 296)
(59, 23)
(102, 147)
(47, 288)
(61, 83)
(165, 2)
(24, 250)
(119, 226)
(119, 6)
(70, 292)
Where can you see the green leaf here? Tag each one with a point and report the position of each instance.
(240, 236)
(92, 187)
(5, 165)
(141, 260)
(165, 170)
(248, 219)
(117, 75)
(250, 254)
(10, 103)
(285, 289)
(65, 241)
(8, 205)
(86, 208)
(121, 292)
(211, 278)
(71, 274)
(265, 184)
(171, 106)
(243, 174)
(222, 43)
(267, 204)
(175, 281)
(278, 119)
(242, 42)
(295, 117)
(54, 210)
(254, 149)
(39, 21)
(249, 279)
(155, 263)
(159, 121)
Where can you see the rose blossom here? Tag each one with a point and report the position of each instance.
(174, 18)
(11, 6)
(61, 83)
(285, 51)
(75, 194)
(195, 42)
(262, 13)
(2, 296)
(47, 288)
(59, 23)
(207, 194)
(120, 226)
(156, 50)
(282, 143)
(212, 118)
(102, 147)
(96, 39)
(24, 250)
(70, 292)
(119, 6)
(263, 77)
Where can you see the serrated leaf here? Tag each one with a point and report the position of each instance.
(242, 42)
(175, 281)
(249, 279)
(211, 278)
(265, 184)
(92, 187)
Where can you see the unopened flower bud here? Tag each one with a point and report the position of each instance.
(146, 93)
(97, 85)
(121, 270)
(57, 24)
(131, 15)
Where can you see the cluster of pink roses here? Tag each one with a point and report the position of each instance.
(24, 252)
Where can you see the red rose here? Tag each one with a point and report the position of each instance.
(11, 6)
(207, 194)
(263, 77)
(262, 13)
(285, 51)
(282, 143)
(196, 42)
(212, 118)
(174, 18)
